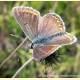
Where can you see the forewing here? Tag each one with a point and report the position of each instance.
(28, 19)
(44, 51)
(50, 24)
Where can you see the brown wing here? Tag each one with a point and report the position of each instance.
(50, 24)
(28, 19)
(64, 39)
(44, 51)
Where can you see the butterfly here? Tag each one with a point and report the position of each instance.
(46, 33)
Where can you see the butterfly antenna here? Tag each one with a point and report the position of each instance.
(12, 53)
(24, 65)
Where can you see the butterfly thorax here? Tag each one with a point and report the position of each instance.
(39, 41)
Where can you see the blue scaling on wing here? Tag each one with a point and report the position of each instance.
(40, 40)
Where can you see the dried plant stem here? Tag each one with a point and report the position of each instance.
(25, 64)
(55, 6)
(12, 53)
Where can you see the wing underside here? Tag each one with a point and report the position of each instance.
(28, 19)
(44, 51)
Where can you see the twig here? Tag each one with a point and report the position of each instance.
(25, 64)
(12, 53)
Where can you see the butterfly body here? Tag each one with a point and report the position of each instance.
(43, 40)
(47, 33)
(39, 41)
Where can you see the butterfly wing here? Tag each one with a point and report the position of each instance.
(51, 24)
(65, 39)
(61, 39)
(47, 49)
(48, 25)
(44, 51)
(28, 19)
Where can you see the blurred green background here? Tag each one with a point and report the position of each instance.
(69, 65)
